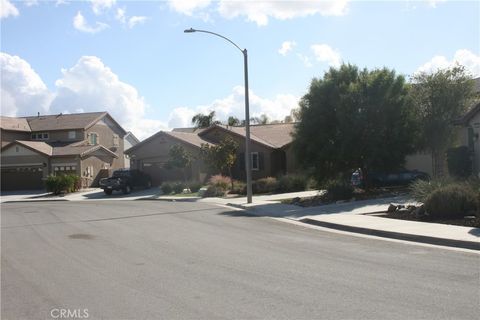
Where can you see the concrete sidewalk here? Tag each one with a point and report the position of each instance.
(351, 217)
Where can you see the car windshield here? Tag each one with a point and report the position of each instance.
(121, 173)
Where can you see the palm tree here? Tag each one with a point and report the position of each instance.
(204, 121)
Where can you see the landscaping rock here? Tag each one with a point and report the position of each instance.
(391, 208)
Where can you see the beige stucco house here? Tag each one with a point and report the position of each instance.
(86, 144)
(271, 152)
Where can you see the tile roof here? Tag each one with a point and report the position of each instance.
(64, 121)
(191, 138)
(38, 146)
(14, 124)
(271, 135)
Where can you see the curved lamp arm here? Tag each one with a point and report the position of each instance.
(191, 30)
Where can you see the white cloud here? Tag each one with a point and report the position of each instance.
(133, 21)
(306, 60)
(188, 7)
(30, 3)
(81, 24)
(286, 47)
(120, 15)
(433, 3)
(463, 57)
(7, 9)
(92, 86)
(260, 11)
(234, 105)
(22, 90)
(324, 53)
(98, 6)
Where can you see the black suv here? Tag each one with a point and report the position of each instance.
(125, 180)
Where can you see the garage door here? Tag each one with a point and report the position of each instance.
(22, 179)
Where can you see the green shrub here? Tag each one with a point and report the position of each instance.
(339, 190)
(166, 188)
(194, 186)
(459, 162)
(292, 183)
(239, 187)
(214, 191)
(62, 183)
(178, 187)
(221, 182)
(451, 201)
(420, 190)
(265, 185)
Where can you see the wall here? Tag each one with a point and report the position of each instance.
(9, 136)
(59, 135)
(101, 166)
(24, 158)
(105, 129)
(152, 156)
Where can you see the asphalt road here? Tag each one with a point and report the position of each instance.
(176, 260)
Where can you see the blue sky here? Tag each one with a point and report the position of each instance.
(132, 59)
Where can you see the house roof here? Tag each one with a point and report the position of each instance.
(82, 150)
(14, 124)
(64, 121)
(61, 150)
(131, 137)
(191, 138)
(37, 146)
(271, 135)
(468, 116)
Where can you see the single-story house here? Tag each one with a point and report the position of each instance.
(271, 151)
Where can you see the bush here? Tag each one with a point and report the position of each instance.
(194, 186)
(338, 190)
(292, 183)
(265, 185)
(220, 181)
(459, 162)
(166, 188)
(62, 183)
(178, 187)
(451, 201)
(239, 187)
(214, 191)
(420, 190)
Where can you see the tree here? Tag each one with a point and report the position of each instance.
(201, 120)
(263, 119)
(440, 98)
(354, 119)
(221, 157)
(233, 121)
(179, 158)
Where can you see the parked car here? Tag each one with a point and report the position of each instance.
(378, 179)
(125, 180)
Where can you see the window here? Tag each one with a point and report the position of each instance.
(17, 149)
(72, 134)
(255, 161)
(40, 136)
(116, 140)
(93, 139)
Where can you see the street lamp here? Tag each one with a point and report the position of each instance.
(248, 163)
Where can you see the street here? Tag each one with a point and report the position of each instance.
(185, 260)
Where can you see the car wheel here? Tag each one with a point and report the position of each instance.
(127, 189)
(108, 192)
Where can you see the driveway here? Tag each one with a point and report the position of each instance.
(179, 260)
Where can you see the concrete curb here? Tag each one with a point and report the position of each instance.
(472, 245)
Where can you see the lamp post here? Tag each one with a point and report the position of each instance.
(248, 164)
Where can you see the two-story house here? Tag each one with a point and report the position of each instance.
(86, 144)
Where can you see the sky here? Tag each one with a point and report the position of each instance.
(132, 58)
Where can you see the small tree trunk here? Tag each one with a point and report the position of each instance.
(230, 175)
